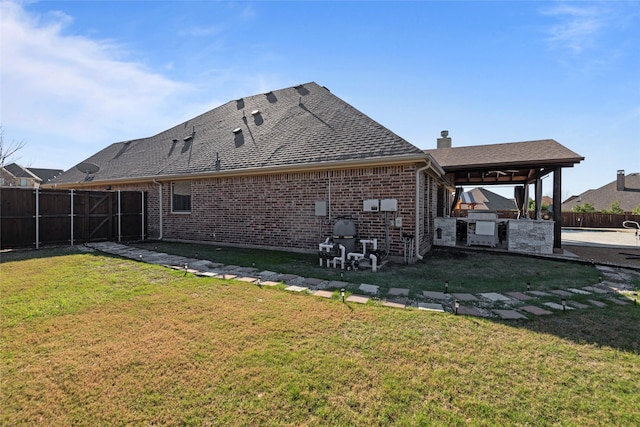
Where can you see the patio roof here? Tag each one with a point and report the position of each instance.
(515, 163)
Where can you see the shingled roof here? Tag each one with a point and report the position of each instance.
(506, 163)
(602, 198)
(296, 126)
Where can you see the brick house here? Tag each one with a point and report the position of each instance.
(14, 175)
(273, 170)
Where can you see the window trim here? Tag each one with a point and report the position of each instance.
(180, 211)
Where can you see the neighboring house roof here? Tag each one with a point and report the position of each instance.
(45, 174)
(292, 127)
(21, 172)
(602, 198)
(507, 163)
(483, 199)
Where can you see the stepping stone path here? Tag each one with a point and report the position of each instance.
(487, 304)
(403, 292)
(430, 307)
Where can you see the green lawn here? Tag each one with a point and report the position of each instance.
(89, 339)
(466, 271)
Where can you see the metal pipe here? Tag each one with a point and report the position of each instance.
(142, 213)
(119, 219)
(159, 205)
(71, 192)
(37, 216)
(417, 239)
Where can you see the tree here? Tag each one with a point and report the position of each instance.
(614, 208)
(586, 208)
(8, 150)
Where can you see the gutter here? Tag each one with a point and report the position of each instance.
(159, 206)
(386, 161)
(417, 210)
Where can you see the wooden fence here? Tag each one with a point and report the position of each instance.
(575, 219)
(35, 217)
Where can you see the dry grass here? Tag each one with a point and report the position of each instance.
(94, 340)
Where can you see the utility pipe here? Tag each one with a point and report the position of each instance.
(159, 205)
(417, 239)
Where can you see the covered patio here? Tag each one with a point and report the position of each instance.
(521, 164)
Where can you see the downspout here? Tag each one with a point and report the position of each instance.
(418, 172)
(159, 205)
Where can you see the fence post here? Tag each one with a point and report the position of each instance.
(37, 219)
(71, 193)
(142, 214)
(119, 218)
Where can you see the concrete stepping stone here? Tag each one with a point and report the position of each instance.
(436, 295)
(360, 299)
(618, 301)
(310, 281)
(430, 307)
(596, 290)
(557, 306)
(539, 293)
(393, 304)
(337, 284)
(208, 274)
(510, 314)
(267, 283)
(228, 276)
(267, 273)
(247, 279)
(561, 292)
(536, 310)
(287, 277)
(577, 304)
(231, 267)
(579, 291)
(494, 296)
(323, 294)
(519, 296)
(597, 303)
(246, 270)
(294, 288)
(465, 297)
(402, 292)
(470, 311)
(369, 289)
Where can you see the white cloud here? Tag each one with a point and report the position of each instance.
(578, 25)
(60, 85)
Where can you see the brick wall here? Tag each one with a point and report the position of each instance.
(278, 210)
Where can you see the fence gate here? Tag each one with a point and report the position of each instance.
(35, 217)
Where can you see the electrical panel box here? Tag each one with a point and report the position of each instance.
(372, 205)
(321, 208)
(398, 222)
(389, 205)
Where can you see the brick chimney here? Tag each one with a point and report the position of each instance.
(621, 182)
(444, 141)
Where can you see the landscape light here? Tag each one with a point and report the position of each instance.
(564, 304)
(446, 287)
(528, 286)
(342, 294)
(140, 257)
(456, 305)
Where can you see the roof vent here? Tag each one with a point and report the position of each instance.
(237, 130)
(255, 112)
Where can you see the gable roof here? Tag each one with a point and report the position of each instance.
(483, 199)
(512, 162)
(20, 171)
(291, 127)
(602, 198)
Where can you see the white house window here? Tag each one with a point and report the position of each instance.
(181, 196)
(24, 182)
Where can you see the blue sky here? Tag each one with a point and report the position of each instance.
(79, 75)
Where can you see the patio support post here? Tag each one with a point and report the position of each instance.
(538, 199)
(557, 208)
